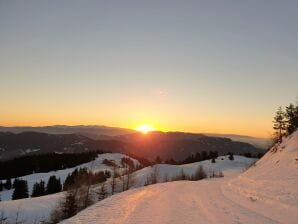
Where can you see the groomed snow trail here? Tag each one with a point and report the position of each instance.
(170, 203)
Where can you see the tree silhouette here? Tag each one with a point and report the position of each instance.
(21, 190)
(53, 185)
(279, 124)
(38, 189)
(231, 156)
(291, 117)
(7, 184)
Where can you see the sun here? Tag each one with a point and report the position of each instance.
(145, 128)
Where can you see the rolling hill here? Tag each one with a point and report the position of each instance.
(170, 145)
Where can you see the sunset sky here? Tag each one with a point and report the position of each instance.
(197, 66)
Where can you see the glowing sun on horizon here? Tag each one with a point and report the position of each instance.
(145, 128)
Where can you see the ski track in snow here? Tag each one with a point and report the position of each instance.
(171, 203)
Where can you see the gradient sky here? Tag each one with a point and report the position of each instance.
(199, 66)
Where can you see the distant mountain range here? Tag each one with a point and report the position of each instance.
(91, 131)
(263, 143)
(98, 132)
(168, 145)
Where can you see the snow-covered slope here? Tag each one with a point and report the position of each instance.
(191, 202)
(39, 208)
(266, 193)
(165, 171)
(34, 209)
(96, 165)
(272, 182)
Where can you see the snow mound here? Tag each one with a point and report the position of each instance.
(272, 181)
(280, 163)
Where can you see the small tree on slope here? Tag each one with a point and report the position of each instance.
(279, 124)
(231, 156)
(54, 185)
(291, 117)
(21, 190)
(199, 174)
(38, 189)
(8, 184)
(67, 208)
(70, 206)
(113, 182)
(102, 194)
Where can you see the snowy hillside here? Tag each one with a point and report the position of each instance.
(35, 209)
(191, 202)
(266, 193)
(39, 208)
(273, 181)
(165, 171)
(95, 165)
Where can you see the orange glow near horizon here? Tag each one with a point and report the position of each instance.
(249, 130)
(145, 128)
(135, 120)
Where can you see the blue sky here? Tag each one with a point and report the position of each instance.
(202, 66)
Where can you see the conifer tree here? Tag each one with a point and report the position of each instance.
(70, 204)
(291, 118)
(42, 188)
(53, 185)
(231, 156)
(199, 174)
(21, 190)
(38, 189)
(70, 179)
(15, 181)
(279, 124)
(7, 184)
(204, 155)
(35, 190)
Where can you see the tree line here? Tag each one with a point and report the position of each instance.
(198, 157)
(285, 121)
(26, 165)
(54, 184)
(78, 194)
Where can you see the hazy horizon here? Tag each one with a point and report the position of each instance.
(192, 66)
(131, 129)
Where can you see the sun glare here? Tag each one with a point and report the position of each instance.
(145, 128)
